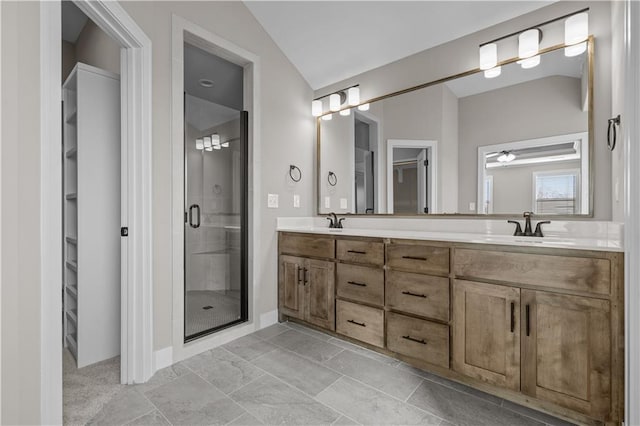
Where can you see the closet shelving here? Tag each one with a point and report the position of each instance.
(91, 211)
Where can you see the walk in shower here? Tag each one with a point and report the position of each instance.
(215, 214)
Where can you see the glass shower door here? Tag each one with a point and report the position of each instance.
(215, 243)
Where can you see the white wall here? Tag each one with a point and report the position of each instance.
(95, 47)
(337, 156)
(462, 55)
(287, 134)
(617, 107)
(552, 106)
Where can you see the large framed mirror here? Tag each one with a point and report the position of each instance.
(467, 145)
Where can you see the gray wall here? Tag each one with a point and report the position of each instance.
(95, 47)
(552, 105)
(462, 55)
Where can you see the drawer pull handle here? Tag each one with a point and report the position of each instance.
(421, 341)
(513, 316)
(414, 258)
(408, 293)
(528, 320)
(356, 283)
(361, 324)
(356, 252)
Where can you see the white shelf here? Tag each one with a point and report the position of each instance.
(71, 117)
(72, 290)
(71, 240)
(71, 196)
(72, 265)
(71, 153)
(73, 316)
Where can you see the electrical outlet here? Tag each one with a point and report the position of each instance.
(472, 206)
(296, 201)
(327, 202)
(343, 203)
(272, 201)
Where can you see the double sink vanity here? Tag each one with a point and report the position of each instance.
(538, 321)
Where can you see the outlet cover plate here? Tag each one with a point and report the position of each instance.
(272, 201)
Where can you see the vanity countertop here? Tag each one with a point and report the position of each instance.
(598, 242)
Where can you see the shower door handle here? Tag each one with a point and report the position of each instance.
(191, 208)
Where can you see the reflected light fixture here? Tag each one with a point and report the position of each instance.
(529, 43)
(217, 147)
(576, 32)
(199, 144)
(493, 72)
(209, 149)
(488, 56)
(345, 112)
(334, 102)
(327, 117)
(225, 144)
(363, 107)
(506, 157)
(215, 139)
(316, 108)
(207, 143)
(534, 61)
(353, 95)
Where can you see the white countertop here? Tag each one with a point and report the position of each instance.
(603, 236)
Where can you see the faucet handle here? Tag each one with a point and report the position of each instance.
(331, 224)
(518, 232)
(538, 231)
(339, 224)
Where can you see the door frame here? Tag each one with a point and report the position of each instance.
(136, 268)
(186, 31)
(433, 168)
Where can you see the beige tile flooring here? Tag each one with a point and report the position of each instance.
(284, 374)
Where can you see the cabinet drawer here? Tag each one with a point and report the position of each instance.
(418, 258)
(423, 295)
(424, 340)
(360, 322)
(367, 252)
(562, 272)
(307, 245)
(360, 283)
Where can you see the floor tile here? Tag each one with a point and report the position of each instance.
(271, 331)
(302, 373)
(397, 383)
(162, 377)
(451, 384)
(345, 421)
(369, 406)
(223, 369)
(310, 331)
(274, 402)
(124, 407)
(154, 418)
(249, 347)
(463, 409)
(543, 417)
(364, 351)
(246, 420)
(190, 400)
(306, 345)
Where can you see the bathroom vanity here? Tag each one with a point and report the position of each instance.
(538, 325)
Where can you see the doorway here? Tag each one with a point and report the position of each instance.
(215, 194)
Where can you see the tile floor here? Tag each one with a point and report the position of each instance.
(285, 374)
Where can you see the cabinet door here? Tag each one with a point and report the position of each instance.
(566, 351)
(320, 293)
(290, 286)
(486, 336)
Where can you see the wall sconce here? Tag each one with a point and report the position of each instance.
(576, 32)
(207, 143)
(199, 144)
(345, 112)
(349, 96)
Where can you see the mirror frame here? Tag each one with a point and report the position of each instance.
(590, 129)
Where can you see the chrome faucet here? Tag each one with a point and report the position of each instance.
(334, 222)
(527, 226)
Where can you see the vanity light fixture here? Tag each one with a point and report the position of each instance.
(316, 108)
(363, 107)
(207, 143)
(215, 139)
(493, 72)
(225, 144)
(199, 144)
(327, 117)
(506, 157)
(334, 102)
(217, 147)
(534, 61)
(345, 112)
(353, 95)
(488, 56)
(576, 32)
(349, 96)
(529, 43)
(208, 149)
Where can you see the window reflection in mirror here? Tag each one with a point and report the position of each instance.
(539, 115)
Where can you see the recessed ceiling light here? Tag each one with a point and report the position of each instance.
(204, 82)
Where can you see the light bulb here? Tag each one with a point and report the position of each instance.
(506, 157)
(225, 144)
(217, 147)
(576, 28)
(353, 95)
(199, 144)
(327, 117)
(528, 43)
(345, 112)
(207, 142)
(316, 108)
(334, 102)
(576, 49)
(488, 56)
(215, 139)
(530, 62)
(493, 72)
(364, 107)
(209, 149)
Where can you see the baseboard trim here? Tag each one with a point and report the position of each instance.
(267, 319)
(162, 358)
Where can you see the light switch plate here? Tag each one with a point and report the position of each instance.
(272, 201)
(296, 201)
(327, 202)
(472, 206)
(343, 203)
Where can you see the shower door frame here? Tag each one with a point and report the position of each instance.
(244, 228)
